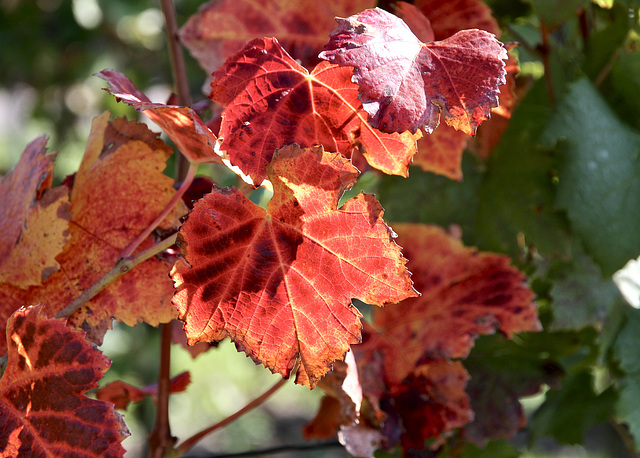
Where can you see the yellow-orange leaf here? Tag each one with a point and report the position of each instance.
(33, 219)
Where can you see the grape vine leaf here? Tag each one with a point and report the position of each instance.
(106, 217)
(464, 294)
(416, 21)
(450, 16)
(221, 28)
(33, 219)
(182, 124)
(517, 195)
(405, 84)
(44, 411)
(279, 282)
(505, 370)
(625, 352)
(564, 416)
(405, 362)
(598, 183)
(272, 102)
(441, 152)
(120, 394)
(581, 296)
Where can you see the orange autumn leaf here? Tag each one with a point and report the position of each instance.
(106, 216)
(279, 282)
(33, 219)
(441, 152)
(464, 294)
(43, 407)
(271, 101)
(221, 28)
(182, 124)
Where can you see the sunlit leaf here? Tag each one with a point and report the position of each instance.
(272, 102)
(280, 282)
(405, 84)
(221, 28)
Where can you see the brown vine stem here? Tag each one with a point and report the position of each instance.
(122, 267)
(186, 445)
(191, 173)
(178, 69)
(160, 439)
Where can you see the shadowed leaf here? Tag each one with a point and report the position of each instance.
(43, 409)
(106, 216)
(120, 394)
(221, 28)
(33, 219)
(182, 124)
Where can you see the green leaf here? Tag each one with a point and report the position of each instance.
(598, 181)
(498, 448)
(568, 412)
(427, 198)
(624, 93)
(517, 192)
(504, 370)
(600, 49)
(554, 13)
(581, 297)
(626, 351)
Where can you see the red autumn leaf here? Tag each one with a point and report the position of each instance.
(464, 294)
(120, 394)
(405, 84)
(412, 390)
(450, 16)
(272, 102)
(221, 28)
(106, 217)
(182, 124)
(430, 402)
(43, 409)
(415, 20)
(280, 282)
(33, 219)
(441, 152)
(490, 133)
